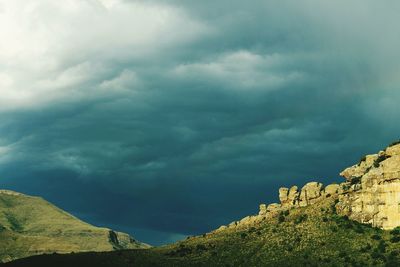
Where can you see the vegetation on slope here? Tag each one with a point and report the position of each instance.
(310, 236)
(31, 225)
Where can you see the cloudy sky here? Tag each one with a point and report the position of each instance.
(169, 118)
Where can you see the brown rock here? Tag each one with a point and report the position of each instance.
(331, 189)
(263, 209)
(310, 193)
(283, 194)
(373, 193)
(273, 207)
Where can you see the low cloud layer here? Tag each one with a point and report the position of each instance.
(169, 118)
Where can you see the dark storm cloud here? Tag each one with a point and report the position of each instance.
(186, 136)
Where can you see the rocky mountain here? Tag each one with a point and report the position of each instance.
(353, 223)
(30, 226)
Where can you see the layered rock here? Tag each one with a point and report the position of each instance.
(331, 190)
(372, 190)
(370, 194)
(288, 197)
(310, 193)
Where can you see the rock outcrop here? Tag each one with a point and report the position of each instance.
(288, 197)
(370, 194)
(310, 193)
(372, 191)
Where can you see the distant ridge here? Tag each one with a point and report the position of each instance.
(31, 226)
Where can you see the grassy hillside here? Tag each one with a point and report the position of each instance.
(310, 236)
(31, 225)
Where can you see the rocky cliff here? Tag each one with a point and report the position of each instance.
(370, 194)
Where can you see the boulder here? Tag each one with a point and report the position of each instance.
(293, 195)
(283, 194)
(263, 210)
(310, 193)
(274, 207)
(331, 189)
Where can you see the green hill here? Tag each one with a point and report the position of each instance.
(30, 226)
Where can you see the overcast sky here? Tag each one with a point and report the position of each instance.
(169, 118)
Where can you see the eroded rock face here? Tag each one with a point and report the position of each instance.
(288, 197)
(372, 192)
(310, 193)
(331, 190)
(263, 210)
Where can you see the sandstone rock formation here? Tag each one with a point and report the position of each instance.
(263, 210)
(331, 189)
(310, 193)
(288, 197)
(370, 194)
(372, 190)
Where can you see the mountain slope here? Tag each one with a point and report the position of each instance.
(337, 225)
(308, 236)
(30, 225)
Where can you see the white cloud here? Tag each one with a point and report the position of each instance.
(241, 69)
(49, 49)
(124, 80)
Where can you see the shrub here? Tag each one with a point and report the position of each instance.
(300, 218)
(183, 250)
(366, 248)
(379, 160)
(347, 258)
(285, 213)
(362, 159)
(201, 247)
(376, 254)
(281, 218)
(382, 246)
(355, 180)
(359, 229)
(345, 187)
(376, 237)
(395, 239)
(394, 253)
(395, 231)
